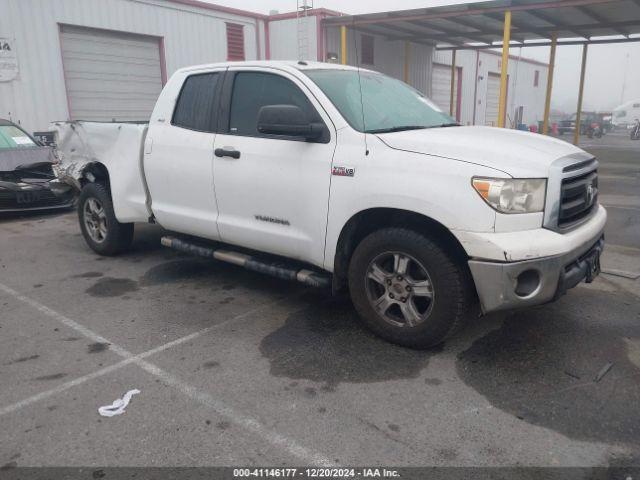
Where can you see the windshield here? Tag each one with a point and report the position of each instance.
(388, 105)
(12, 137)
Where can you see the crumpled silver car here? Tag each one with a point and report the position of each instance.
(27, 180)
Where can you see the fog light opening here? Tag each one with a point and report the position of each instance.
(527, 283)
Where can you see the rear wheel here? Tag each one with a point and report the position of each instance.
(407, 288)
(100, 228)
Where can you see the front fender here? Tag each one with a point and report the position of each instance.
(434, 187)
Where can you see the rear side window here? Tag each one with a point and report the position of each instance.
(254, 90)
(196, 108)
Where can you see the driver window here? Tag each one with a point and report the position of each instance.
(254, 90)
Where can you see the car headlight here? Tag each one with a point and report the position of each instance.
(512, 195)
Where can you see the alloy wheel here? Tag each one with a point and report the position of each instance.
(95, 220)
(399, 289)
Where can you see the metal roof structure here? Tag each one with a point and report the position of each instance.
(479, 25)
(504, 24)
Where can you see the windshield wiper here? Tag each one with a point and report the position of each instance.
(397, 129)
(442, 125)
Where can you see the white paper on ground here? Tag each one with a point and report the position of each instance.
(118, 406)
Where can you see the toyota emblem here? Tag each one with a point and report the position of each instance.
(590, 194)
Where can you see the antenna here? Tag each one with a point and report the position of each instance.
(302, 8)
(364, 126)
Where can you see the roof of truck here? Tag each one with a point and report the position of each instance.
(285, 65)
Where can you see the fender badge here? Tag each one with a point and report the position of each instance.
(343, 171)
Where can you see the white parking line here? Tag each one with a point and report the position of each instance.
(104, 371)
(248, 423)
(62, 387)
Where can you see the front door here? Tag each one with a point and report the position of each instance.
(272, 191)
(178, 160)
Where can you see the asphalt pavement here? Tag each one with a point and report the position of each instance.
(235, 368)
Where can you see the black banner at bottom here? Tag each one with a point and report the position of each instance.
(234, 473)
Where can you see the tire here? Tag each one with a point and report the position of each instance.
(100, 228)
(440, 316)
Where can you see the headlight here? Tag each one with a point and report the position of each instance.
(512, 195)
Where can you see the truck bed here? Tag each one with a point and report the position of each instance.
(119, 147)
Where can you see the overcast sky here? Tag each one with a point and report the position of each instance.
(606, 64)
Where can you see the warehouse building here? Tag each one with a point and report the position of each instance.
(108, 59)
(477, 87)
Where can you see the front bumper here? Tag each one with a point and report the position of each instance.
(16, 198)
(508, 285)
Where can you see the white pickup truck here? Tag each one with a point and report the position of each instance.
(331, 175)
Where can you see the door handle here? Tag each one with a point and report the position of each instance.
(227, 152)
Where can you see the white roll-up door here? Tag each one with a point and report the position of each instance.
(492, 100)
(110, 75)
(441, 88)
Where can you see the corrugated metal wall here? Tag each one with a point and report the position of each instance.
(521, 89)
(284, 39)
(388, 57)
(465, 59)
(194, 35)
(110, 75)
(191, 36)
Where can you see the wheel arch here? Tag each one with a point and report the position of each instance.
(95, 172)
(367, 221)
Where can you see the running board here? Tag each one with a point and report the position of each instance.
(273, 268)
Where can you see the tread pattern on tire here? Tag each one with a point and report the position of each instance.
(119, 236)
(449, 275)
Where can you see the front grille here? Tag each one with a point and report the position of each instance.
(578, 198)
(16, 200)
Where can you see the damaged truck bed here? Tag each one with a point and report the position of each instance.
(85, 148)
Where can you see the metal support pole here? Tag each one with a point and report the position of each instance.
(576, 133)
(343, 44)
(453, 82)
(506, 38)
(547, 102)
(405, 70)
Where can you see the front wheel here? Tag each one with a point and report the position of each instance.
(408, 289)
(100, 228)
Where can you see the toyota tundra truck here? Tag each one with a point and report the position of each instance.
(344, 178)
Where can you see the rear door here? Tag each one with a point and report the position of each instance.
(178, 160)
(274, 195)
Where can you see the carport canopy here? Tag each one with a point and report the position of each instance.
(498, 23)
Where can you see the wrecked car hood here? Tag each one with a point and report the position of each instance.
(17, 158)
(517, 153)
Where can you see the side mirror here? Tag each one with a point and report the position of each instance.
(287, 120)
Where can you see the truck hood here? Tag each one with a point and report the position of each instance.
(516, 153)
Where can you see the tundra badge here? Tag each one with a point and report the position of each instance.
(343, 171)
